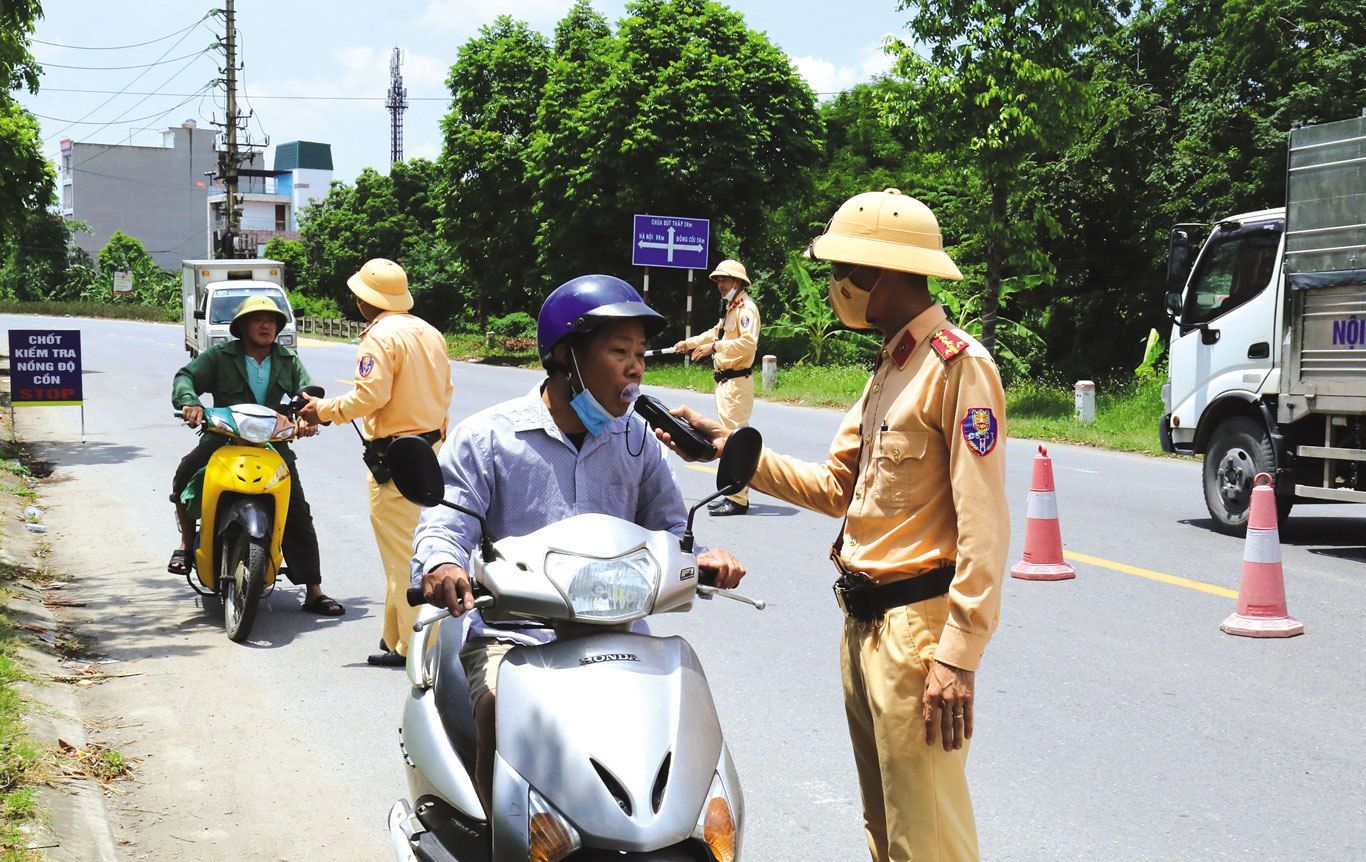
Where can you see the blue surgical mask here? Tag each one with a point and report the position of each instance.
(592, 414)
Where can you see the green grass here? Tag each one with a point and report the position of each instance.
(814, 385)
(21, 758)
(108, 310)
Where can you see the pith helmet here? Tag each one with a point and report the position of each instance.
(383, 284)
(887, 230)
(732, 268)
(251, 305)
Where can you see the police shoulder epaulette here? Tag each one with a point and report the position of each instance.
(948, 345)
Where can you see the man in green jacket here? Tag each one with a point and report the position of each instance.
(251, 369)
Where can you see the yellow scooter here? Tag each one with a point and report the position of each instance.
(241, 509)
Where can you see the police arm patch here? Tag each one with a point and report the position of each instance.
(947, 345)
(365, 366)
(980, 430)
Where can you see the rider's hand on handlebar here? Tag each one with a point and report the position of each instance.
(309, 411)
(723, 563)
(448, 586)
(193, 414)
(709, 428)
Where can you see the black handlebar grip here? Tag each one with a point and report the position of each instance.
(707, 577)
(415, 597)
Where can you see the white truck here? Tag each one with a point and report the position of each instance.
(1267, 363)
(212, 290)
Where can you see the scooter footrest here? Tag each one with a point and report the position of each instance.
(429, 849)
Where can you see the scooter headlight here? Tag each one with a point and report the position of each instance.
(552, 836)
(716, 824)
(606, 591)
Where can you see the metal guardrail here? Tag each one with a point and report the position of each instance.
(333, 326)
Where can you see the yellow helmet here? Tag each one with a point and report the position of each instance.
(251, 305)
(732, 268)
(887, 230)
(383, 284)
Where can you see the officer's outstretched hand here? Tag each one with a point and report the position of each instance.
(448, 586)
(948, 705)
(309, 411)
(728, 569)
(709, 428)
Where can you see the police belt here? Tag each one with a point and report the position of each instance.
(859, 597)
(380, 445)
(723, 376)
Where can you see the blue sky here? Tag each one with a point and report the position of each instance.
(341, 50)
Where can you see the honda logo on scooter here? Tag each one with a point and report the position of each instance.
(611, 656)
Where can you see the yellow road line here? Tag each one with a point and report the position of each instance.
(1152, 576)
(702, 468)
(348, 381)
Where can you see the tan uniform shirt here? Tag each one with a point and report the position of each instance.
(927, 486)
(403, 379)
(739, 335)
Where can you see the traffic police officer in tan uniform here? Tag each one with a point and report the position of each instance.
(402, 386)
(731, 344)
(917, 470)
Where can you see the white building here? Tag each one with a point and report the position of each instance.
(272, 200)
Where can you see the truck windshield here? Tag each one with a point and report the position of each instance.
(1236, 266)
(225, 303)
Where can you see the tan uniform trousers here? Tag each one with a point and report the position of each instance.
(916, 806)
(394, 520)
(734, 405)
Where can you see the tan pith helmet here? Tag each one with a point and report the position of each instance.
(383, 284)
(887, 230)
(251, 305)
(732, 268)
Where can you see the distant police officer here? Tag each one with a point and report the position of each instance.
(732, 344)
(917, 470)
(403, 386)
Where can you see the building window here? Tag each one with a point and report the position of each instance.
(66, 198)
(281, 217)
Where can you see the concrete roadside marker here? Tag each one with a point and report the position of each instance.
(1043, 560)
(1262, 610)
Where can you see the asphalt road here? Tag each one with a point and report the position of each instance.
(1115, 720)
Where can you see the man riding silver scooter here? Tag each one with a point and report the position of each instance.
(607, 741)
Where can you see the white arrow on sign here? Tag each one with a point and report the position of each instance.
(670, 245)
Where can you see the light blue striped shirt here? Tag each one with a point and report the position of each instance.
(513, 463)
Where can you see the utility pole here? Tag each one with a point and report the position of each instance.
(229, 158)
(397, 103)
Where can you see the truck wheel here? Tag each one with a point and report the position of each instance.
(1239, 450)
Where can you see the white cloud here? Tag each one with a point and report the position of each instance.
(466, 16)
(827, 78)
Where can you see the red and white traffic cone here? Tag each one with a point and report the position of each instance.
(1043, 559)
(1262, 611)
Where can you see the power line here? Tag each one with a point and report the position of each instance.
(96, 122)
(136, 78)
(110, 147)
(120, 47)
(301, 98)
(121, 68)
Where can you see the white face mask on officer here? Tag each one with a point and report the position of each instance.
(850, 301)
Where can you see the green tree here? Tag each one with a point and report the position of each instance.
(25, 175)
(40, 263)
(1002, 87)
(293, 254)
(151, 284)
(392, 216)
(488, 221)
(810, 320)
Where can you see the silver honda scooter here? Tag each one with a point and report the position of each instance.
(608, 743)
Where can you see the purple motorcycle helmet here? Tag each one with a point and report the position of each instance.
(583, 304)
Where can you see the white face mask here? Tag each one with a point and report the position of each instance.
(730, 294)
(850, 303)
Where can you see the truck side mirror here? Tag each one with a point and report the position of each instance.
(199, 314)
(1173, 303)
(1178, 261)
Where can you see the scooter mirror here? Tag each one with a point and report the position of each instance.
(739, 460)
(417, 476)
(315, 391)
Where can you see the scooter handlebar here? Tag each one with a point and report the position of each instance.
(415, 597)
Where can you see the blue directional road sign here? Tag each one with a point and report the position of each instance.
(670, 241)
